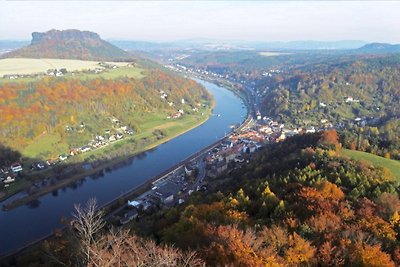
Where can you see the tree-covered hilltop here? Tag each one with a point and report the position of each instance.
(362, 87)
(300, 202)
(360, 96)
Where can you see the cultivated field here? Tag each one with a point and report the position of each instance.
(33, 65)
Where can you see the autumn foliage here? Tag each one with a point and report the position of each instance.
(29, 110)
(310, 209)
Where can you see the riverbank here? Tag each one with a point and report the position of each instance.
(109, 207)
(197, 121)
(29, 223)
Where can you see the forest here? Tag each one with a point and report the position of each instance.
(361, 97)
(300, 202)
(64, 112)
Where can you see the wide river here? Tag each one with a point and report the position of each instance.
(24, 224)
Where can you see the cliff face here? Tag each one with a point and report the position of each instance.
(42, 37)
(69, 44)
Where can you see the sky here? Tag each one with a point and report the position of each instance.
(373, 21)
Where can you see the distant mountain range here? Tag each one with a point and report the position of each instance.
(204, 44)
(311, 45)
(88, 45)
(380, 48)
(347, 46)
(69, 44)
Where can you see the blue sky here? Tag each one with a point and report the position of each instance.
(224, 20)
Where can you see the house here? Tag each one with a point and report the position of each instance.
(148, 205)
(99, 138)
(119, 135)
(51, 162)
(167, 192)
(63, 157)
(135, 204)
(252, 147)
(129, 216)
(9, 179)
(85, 149)
(281, 137)
(188, 170)
(227, 143)
(350, 99)
(115, 120)
(16, 167)
(239, 159)
(266, 130)
(176, 115)
(311, 130)
(38, 165)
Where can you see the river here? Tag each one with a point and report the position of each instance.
(27, 223)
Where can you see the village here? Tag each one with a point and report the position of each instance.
(175, 186)
(9, 174)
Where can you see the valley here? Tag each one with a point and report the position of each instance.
(205, 133)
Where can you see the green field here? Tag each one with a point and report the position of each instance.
(45, 145)
(131, 72)
(33, 65)
(30, 66)
(392, 165)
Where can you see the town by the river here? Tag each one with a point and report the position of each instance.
(29, 223)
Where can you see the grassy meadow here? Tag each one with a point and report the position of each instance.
(390, 164)
(29, 66)
(35, 65)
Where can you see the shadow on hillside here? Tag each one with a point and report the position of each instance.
(39, 177)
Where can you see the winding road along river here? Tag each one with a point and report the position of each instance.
(25, 224)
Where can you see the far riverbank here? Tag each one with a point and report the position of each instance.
(98, 167)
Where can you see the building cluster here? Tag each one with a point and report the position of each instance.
(8, 174)
(169, 190)
(238, 147)
(99, 141)
(102, 140)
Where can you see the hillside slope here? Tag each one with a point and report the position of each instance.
(74, 110)
(295, 203)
